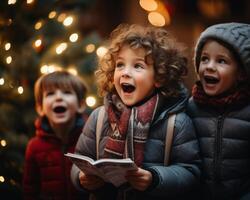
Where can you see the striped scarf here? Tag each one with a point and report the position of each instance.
(130, 127)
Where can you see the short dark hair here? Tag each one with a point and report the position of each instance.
(62, 80)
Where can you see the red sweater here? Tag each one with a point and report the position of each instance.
(46, 169)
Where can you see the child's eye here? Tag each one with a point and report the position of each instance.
(49, 93)
(68, 92)
(222, 61)
(204, 59)
(138, 66)
(119, 65)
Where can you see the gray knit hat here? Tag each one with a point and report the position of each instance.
(235, 35)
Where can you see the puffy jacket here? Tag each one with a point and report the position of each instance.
(169, 182)
(46, 169)
(224, 139)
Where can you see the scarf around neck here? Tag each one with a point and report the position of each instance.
(130, 127)
(237, 97)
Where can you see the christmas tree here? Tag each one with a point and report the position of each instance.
(36, 37)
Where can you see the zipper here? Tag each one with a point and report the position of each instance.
(218, 144)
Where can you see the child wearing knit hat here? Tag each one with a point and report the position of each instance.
(220, 109)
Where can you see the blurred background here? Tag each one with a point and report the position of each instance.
(41, 36)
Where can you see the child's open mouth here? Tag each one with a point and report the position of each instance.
(128, 88)
(211, 80)
(59, 109)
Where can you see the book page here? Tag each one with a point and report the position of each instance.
(115, 172)
(86, 167)
(110, 170)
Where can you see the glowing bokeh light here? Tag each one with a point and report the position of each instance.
(91, 101)
(156, 19)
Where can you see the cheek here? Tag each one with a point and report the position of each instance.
(200, 70)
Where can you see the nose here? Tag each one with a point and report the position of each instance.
(126, 72)
(211, 66)
(58, 94)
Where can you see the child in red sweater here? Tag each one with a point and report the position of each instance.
(60, 104)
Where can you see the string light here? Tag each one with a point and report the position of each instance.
(45, 69)
(1, 81)
(2, 179)
(72, 70)
(52, 14)
(3, 143)
(90, 48)
(61, 17)
(148, 5)
(38, 43)
(61, 48)
(8, 59)
(73, 37)
(101, 51)
(91, 101)
(7, 46)
(158, 13)
(68, 21)
(11, 2)
(30, 1)
(156, 19)
(38, 25)
(20, 90)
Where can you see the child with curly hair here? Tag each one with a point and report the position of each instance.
(140, 80)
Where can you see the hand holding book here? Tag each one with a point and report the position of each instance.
(110, 170)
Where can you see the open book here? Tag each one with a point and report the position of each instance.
(110, 170)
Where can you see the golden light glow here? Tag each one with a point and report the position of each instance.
(20, 90)
(164, 12)
(8, 59)
(1, 81)
(61, 48)
(30, 1)
(3, 143)
(52, 14)
(38, 43)
(148, 5)
(68, 21)
(7, 46)
(2, 179)
(72, 70)
(45, 69)
(91, 101)
(156, 19)
(73, 37)
(11, 2)
(90, 48)
(61, 17)
(101, 51)
(38, 25)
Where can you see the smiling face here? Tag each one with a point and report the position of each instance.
(133, 77)
(218, 69)
(59, 106)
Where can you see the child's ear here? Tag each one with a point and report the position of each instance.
(39, 110)
(81, 107)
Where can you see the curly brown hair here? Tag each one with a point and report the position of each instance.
(169, 61)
